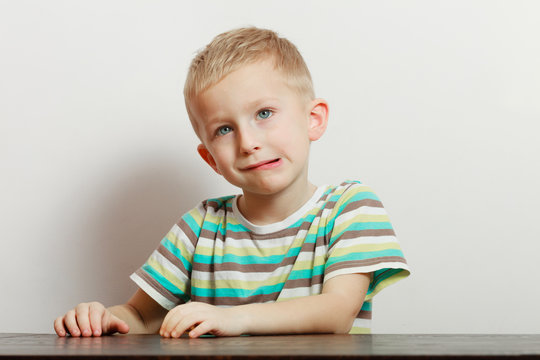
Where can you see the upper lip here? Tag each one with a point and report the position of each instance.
(252, 166)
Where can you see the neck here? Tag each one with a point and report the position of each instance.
(267, 209)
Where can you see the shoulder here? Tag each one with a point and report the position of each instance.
(350, 197)
(351, 191)
(209, 210)
(219, 203)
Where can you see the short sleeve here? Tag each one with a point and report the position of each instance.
(363, 240)
(165, 276)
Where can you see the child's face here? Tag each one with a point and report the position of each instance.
(256, 131)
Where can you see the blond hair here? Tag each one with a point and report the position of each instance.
(232, 49)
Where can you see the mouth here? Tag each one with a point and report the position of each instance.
(267, 164)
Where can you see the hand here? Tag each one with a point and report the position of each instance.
(199, 319)
(89, 319)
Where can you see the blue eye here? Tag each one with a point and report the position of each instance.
(264, 114)
(224, 130)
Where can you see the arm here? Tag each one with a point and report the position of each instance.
(333, 311)
(140, 315)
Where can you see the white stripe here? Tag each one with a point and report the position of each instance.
(366, 240)
(366, 269)
(246, 243)
(291, 219)
(363, 323)
(160, 299)
(183, 238)
(237, 275)
(300, 292)
(311, 255)
(364, 210)
(165, 263)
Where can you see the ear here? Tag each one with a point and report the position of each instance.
(205, 154)
(318, 119)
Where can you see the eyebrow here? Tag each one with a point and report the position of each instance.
(262, 100)
(255, 103)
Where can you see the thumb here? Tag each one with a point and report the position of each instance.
(116, 324)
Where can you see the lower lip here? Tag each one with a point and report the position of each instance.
(268, 166)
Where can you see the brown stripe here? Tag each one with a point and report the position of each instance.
(381, 274)
(361, 233)
(215, 204)
(364, 314)
(172, 258)
(245, 268)
(241, 235)
(156, 286)
(358, 204)
(366, 262)
(234, 301)
(303, 283)
(184, 227)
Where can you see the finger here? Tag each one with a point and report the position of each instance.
(201, 329)
(83, 319)
(185, 325)
(70, 323)
(171, 319)
(59, 326)
(96, 316)
(118, 325)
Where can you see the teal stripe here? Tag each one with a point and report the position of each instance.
(176, 252)
(245, 260)
(355, 256)
(193, 225)
(360, 195)
(238, 293)
(165, 283)
(368, 225)
(381, 275)
(212, 227)
(359, 226)
(306, 274)
(307, 218)
(236, 228)
(366, 306)
(242, 260)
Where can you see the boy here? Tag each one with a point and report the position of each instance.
(286, 256)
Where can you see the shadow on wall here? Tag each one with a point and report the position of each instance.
(138, 210)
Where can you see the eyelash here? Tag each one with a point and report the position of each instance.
(267, 110)
(218, 131)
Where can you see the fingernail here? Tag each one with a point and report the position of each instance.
(97, 333)
(173, 334)
(87, 333)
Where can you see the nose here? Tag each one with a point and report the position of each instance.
(248, 141)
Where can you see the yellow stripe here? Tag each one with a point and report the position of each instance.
(360, 218)
(239, 251)
(249, 251)
(167, 274)
(365, 247)
(171, 236)
(309, 264)
(387, 282)
(359, 330)
(239, 284)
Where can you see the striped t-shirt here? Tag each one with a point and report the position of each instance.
(214, 255)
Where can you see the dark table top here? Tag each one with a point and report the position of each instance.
(47, 346)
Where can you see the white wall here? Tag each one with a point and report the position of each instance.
(435, 104)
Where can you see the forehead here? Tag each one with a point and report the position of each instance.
(243, 88)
